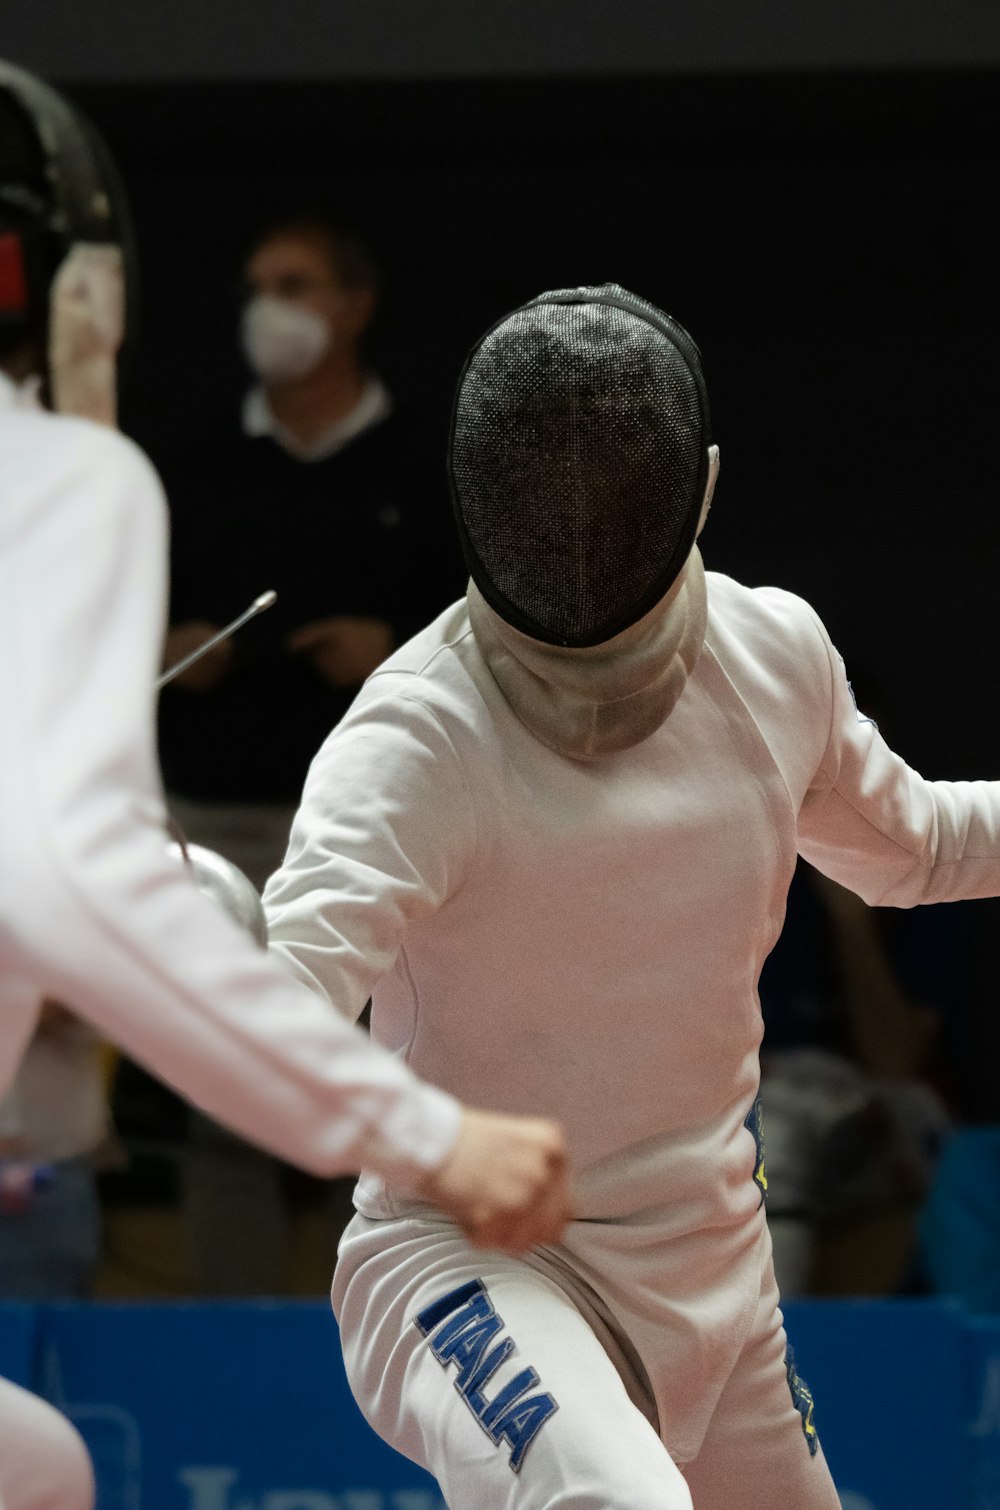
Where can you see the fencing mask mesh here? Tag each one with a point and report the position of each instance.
(578, 462)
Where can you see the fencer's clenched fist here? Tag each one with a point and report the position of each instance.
(505, 1181)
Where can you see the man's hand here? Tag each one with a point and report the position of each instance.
(343, 650)
(505, 1182)
(182, 640)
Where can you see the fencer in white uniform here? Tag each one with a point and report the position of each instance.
(553, 839)
(93, 910)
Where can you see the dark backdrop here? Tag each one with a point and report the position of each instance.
(830, 241)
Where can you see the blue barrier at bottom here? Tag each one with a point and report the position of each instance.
(18, 1334)
(981, 1339)
(221, 1407)
(244, 1406)
(887, 1380)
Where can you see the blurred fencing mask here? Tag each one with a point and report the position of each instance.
(67, 264)
(580, 463)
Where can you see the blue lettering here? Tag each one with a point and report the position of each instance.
(435, 1313)
(477, 1310)
(522, 1424)
(483, 1374)
(511, 1391)
(469, 1347)
(464, 1324)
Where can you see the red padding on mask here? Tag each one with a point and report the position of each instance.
(13, 282)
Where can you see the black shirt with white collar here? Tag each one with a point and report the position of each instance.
(364, 529)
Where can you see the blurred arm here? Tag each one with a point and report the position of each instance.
(98, 915)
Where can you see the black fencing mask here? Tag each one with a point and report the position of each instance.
(579, 462)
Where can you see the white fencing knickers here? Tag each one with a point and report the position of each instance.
(43, 1462)
(500, 1377)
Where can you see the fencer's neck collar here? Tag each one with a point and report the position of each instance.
(598, 700)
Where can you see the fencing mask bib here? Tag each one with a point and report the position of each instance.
(580, 462)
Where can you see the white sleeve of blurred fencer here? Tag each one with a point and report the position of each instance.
(94, 909)
(875, 825)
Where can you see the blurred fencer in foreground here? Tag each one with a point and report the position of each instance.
(94, 912)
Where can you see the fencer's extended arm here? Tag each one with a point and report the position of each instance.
(384, 835)
(875, 825)
(94, 912)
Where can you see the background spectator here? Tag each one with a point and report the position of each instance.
(325, 489)
(322, 489)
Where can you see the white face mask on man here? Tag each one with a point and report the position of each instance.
(283, 341)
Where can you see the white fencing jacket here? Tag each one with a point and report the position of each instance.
(93, 912)
(583, 939)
